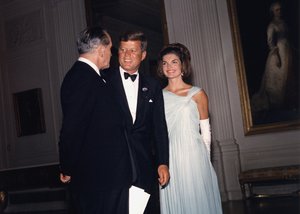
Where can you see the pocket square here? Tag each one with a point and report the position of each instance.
(150, 101)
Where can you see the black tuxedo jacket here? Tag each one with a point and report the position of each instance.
(92, 147)
(148, 135)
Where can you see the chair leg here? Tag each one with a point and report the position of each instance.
(243, 191)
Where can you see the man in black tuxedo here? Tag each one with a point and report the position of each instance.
(94, 155)
(140, 96)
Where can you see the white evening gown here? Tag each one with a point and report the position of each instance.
(193, 186)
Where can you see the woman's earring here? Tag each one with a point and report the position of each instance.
(182, 74)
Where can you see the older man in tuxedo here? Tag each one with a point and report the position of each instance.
(94, 155)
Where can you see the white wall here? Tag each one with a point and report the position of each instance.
(204, 27)
(38, 46)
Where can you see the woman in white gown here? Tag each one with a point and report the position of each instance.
(193, 186)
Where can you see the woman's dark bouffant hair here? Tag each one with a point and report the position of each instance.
(183, 54)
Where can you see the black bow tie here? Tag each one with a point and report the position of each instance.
(132, 76)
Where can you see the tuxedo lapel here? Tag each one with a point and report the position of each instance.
(142, 98)
(122, 96)
(143, 91)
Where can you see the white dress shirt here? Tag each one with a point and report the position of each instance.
(131, 91)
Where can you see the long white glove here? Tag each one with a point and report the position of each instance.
(206, 133)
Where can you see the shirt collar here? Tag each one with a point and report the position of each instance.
(90, 63)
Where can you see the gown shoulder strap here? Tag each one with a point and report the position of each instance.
(194, 90)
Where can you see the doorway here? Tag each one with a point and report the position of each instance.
(118, 16)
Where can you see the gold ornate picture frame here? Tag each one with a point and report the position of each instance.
(268, 103)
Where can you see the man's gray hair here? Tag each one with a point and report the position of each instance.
(90, 38)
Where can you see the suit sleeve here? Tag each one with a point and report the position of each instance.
(77, 102)
(160, 128)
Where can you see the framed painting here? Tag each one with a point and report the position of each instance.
(29, 112)
(266, 45)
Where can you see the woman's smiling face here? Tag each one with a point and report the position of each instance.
(172, 66)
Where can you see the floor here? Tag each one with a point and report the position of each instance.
(276, 205)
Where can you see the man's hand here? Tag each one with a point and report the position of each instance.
(65, 178)
(164, 175)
